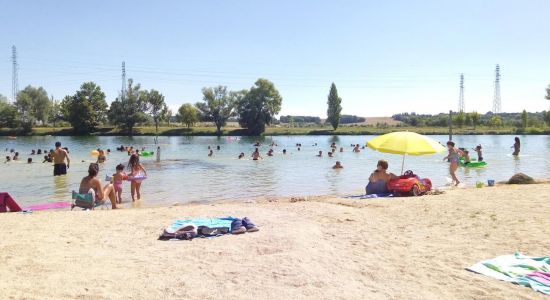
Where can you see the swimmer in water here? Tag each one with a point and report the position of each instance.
(101, 158)
(516, 146)
(341, 149)
(338, 165)
(284, 151)
(320, 154)
(256, 154)
(330, 154)
(477, 149)
(356, 149)
(270, 152)
(241, 155)
(210, 153)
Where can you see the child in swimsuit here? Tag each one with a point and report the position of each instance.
(479, 153)
(136, 170)
(101, 158)
(453, 157)
(466, 156)
(118, 177)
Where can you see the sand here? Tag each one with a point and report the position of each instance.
(320, 248)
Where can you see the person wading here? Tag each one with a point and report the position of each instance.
(59, 157)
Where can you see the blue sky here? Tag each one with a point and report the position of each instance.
(384, 56)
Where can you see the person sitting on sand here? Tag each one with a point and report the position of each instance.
(338, 165)
(477, 149)
(378, 180)
(90, 184)
(256, 154)
(320, 154)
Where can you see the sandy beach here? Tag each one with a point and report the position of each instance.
(314, 248)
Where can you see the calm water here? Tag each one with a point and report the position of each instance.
(187, 174)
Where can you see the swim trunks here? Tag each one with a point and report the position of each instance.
(59, 169)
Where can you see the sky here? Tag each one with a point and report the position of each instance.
(385, 57)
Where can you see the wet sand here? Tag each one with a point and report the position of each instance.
(314, 248)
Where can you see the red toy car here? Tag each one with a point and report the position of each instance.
(409, 184)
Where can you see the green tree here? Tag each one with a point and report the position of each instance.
(169, 114)
(495, 121)
(257, 108)
(474, 116)
(334, 107)
(33, 103)
(56, 113)
(467, 119)
(546, 117)
(86, 109)
(218, 105)
(548, 92)
(524, 118)
(460, 119)
(188, 115)
(129, 109)
(8, 113)
(155, 106)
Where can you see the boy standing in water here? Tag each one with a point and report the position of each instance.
(59, 156)
(516, 146)
(479, 153)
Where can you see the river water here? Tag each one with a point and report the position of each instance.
(186, 173)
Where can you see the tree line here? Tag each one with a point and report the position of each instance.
(87, 108)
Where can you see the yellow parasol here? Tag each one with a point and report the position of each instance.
(405, 143)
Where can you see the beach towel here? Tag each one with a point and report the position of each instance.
(45, 206)
(370, 196)
(205, 227)
(524, 270)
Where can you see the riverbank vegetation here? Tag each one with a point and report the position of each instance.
(253, 111)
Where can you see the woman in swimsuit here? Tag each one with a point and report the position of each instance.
(453, 157)
(136, 170)
(516, 146)
(90, 183)
(378, 180)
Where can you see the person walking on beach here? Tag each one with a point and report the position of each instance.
(59, 157)
(453, 157)
(516, 146)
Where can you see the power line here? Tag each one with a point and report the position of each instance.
(496, 99)
(461, 95)
(14, 79)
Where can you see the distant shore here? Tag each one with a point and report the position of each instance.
(279, 130)
(307, 248)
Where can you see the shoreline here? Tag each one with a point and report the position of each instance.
(277, 131)
(321, 247)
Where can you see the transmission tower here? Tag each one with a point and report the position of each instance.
(461, 95)
(496, 100)
(123, 90)
(14, 79)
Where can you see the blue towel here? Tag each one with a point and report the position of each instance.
(370, 196)
(209, 222)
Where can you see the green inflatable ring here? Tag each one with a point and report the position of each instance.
(472, 164)
(146, 153)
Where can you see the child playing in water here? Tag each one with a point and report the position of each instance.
(256, 154)
(101, 158)
(453, 158)
(477, 149)
(118, 178)
(466, 156)
(136, 170)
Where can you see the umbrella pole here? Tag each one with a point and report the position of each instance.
(402, 164)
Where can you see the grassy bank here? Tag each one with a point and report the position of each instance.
(279, 130)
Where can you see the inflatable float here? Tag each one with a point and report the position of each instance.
(8, 204)
(137, 178)
(472, 163)
(146, 153)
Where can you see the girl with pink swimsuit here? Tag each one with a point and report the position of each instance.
(118, 177)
